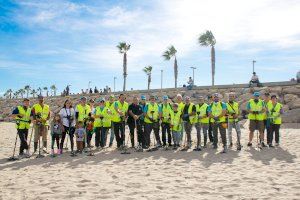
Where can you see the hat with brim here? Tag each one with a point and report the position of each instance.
(256, 94)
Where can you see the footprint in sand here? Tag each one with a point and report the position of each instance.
(159, 187)
(114, 177)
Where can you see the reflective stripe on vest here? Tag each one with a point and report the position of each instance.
(83, 112)
(176, 121)
(44, 111)
(275, 115)
(23, 123)
(190, 110)
(257, 107)
(166, 113)
(152, 112)
(201, 111)
(105, 121)
(232, 109)
(216, 110)
(122, 107)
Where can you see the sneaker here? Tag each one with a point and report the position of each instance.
(45, 150)
(230, 145)
(270, 146)
(197, 149)
(249, 144)
(224, 150)
(263, 144)
(239, 147)
(52, 151)
(215, 146)
(277, 144)
(110, 144)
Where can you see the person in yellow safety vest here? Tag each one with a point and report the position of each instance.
(82, 111)
(22, 116)
(176, 125)
(217, 112)
(201, 122)
(41, 114)
(256, 109)
(119, 115)
(110, 105)
(267, 100)
(102, 122)
(180, 103)
(210, 100)
(274, 111)
(188, 116)
(233, 112)
(151, 113)
(165, 111)
(82, 114)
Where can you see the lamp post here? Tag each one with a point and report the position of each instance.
(253, 62)
(115, 84)
(193, 68)
(89, 85)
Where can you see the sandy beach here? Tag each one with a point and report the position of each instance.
(249, 174)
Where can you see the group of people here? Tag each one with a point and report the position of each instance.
(175, 118)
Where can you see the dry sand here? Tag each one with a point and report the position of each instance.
(249, 174)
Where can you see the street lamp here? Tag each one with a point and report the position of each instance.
(115, 84)
(193, 68)
(253, 62)
(89, 85)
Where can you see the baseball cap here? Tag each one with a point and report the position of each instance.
(165, 97)
(143, 97)
(256, 94)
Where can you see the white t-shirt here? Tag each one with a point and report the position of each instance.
(64, 112)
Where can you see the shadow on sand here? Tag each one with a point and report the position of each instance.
(207, 157)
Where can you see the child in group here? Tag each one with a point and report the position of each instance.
(176, 121)
(56, 131)
(80, 135)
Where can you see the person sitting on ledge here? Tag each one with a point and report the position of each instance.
(298, 77)
(254, 79)
(190, 83)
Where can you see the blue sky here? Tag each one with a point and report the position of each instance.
(73, 42)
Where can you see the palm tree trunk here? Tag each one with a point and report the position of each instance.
(213, 61)
(149, 80)
(175, 71)
(124, 70)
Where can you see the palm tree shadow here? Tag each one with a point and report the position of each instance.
(267, 155)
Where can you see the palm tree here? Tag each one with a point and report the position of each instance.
(123, 49)
(33, 92)
(39, 90)
(148, 71)
(8, 93)
(46, 89)
(53, 88)
(22, 92)
(207, 39)
(168, 54)
(16, 94)
(27, 88)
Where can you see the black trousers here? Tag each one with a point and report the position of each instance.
(100, 136)
(119, 130)
(140, 135)
(165, 128)
(210, 132)
(23, 133)
(274, 128)
(69, 131)
(268, 129)
(148, 128)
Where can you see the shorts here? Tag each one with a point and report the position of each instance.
(256, 125)
(40, 130)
